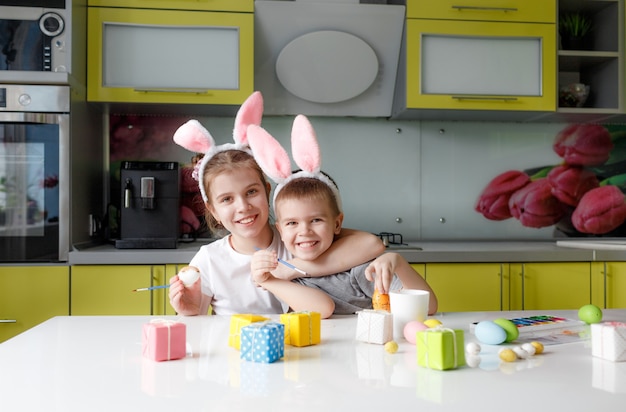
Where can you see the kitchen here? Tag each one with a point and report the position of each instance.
(427, 168)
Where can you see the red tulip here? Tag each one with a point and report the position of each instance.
(570, 183)
(600, 210)
(493, 202)
(535, 206)
(583, 144)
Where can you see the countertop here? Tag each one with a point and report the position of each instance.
(428, 252)
(76, 363)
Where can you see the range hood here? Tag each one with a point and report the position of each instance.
(321, 58)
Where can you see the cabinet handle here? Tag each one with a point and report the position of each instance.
(500, 99)
(8, 321)
(504, 9)
(165, 90)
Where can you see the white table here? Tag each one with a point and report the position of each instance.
(94, 364)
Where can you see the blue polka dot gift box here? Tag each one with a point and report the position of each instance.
(263, 342)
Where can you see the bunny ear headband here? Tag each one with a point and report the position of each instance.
(194, 137)
(274, 160)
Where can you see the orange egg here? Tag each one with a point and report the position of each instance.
(380, 301)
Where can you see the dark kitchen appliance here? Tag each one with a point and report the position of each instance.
(149, 205)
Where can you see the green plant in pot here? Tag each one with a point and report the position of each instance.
(574, 27)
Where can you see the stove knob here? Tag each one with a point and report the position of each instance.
(24, 99)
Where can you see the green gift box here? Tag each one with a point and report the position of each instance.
(440, 348)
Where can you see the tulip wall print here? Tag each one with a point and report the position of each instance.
(581, 196)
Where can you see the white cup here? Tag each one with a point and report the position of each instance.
(407, 305)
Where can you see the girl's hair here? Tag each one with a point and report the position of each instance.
(226, 161)
(311, 189)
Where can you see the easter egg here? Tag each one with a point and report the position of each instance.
(507, 355)
(509, 327)
(432, 323)
(530, 348)
(411, 328)
(472, 348)
(391, 347)
(380, 301)
(590, 314)
(489, 332)
(521, 352)
(538, 347)
(189, 275)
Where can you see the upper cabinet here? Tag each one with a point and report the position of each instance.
(591, 57)
(479, 56)
(181, 52)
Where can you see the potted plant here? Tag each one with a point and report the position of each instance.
(574, 27)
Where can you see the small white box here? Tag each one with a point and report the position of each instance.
(374, 326)
(608, 341)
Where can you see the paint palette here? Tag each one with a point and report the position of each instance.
(542, 324)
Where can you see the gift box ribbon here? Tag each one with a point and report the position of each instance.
(169, 324)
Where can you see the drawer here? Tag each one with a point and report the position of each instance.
(538, 11)
(208, 5)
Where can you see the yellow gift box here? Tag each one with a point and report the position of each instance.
(236, 323)
(440, 348)
(302, 328)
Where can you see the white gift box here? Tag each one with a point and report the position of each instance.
(608, 341)
(374, 326)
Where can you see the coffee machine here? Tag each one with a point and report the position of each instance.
(149, 210)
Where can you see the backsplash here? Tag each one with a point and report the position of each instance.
(421, 179)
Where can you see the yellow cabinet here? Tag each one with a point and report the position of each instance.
(108, 289)
(146, 55)
(30, 295)
(609, 284)
(550, 286)
(464, 56)
(212, 5)
(469, 286)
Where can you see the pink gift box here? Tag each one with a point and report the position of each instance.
(608, 341)
(164, 340)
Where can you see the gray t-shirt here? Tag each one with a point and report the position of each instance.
(350, 290)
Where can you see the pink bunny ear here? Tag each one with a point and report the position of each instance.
(250, 112)
(269, 154)
(194, 137)
(304, 147)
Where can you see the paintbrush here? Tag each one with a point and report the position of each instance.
(151, 288)
(289, 265)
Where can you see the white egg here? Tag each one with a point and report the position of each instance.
(189, 275)
(521, 353)
(472, 348)
(528, 347)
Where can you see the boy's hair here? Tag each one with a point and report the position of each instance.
(225, 161)
(311, 189)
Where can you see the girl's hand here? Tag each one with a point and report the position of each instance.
(262, 264)
(382, 270)
(185, 300)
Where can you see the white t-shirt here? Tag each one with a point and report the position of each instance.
(227, 281)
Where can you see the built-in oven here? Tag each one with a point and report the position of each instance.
(34, 173)
(35, 44)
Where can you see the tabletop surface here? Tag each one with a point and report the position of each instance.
(78, 363)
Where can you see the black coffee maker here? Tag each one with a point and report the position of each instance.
(149, 217)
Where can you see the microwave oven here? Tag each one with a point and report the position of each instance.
(35, 41)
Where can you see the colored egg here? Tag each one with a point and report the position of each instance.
(590, 314)
(507, 355)
(432, 323)
(490, 333)
(391, 347)
(509, 327)
(411, 328)
(538, 347)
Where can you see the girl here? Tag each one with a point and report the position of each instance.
(236, 196)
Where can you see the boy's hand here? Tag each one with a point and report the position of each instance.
(381, 271)
(262, 264)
